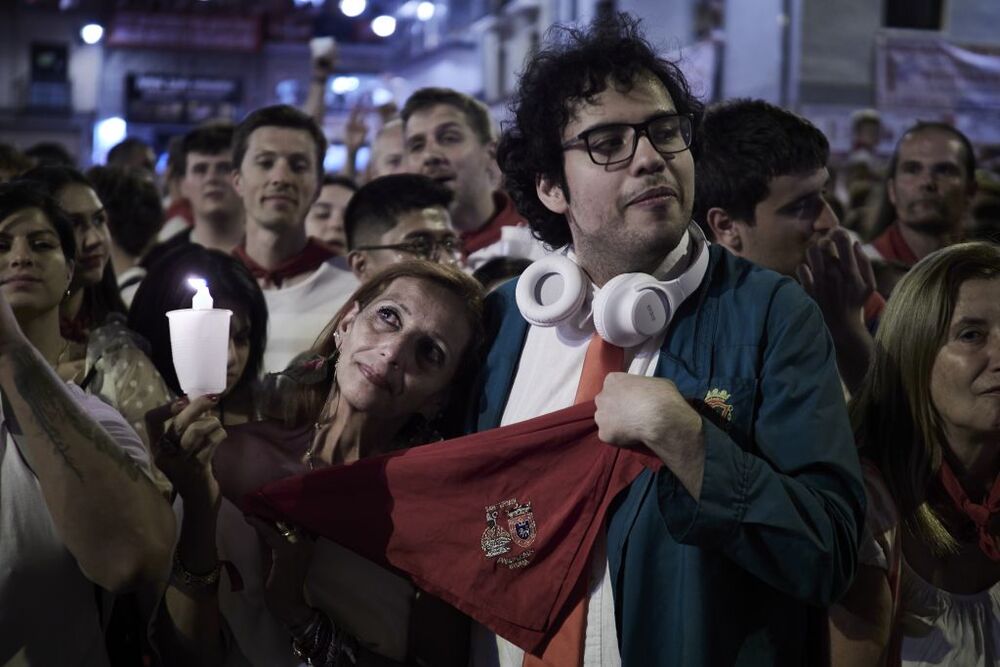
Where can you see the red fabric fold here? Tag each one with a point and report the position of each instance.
(981, 514)
(312, 255)
(500, 524)
(894, 248)
(505, 215)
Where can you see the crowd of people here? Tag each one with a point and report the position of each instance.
(789, 366)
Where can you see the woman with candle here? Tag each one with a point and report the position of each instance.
(384, 370)
(101, 355)
(232, 287)
(927, 589)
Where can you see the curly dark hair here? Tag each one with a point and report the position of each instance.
(574, 67)
(742, 145)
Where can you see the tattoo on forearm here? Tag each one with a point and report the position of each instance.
(62, 420)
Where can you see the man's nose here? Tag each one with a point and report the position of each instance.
(281, 172)
(647, 159)
(827, 220)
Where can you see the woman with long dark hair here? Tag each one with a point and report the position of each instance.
(166, 288)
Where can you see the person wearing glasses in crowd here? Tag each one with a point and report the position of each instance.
(400, 217)
(727, 554)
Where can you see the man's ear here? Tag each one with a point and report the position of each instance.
(724, 229)
(358, 260)
(551, 194)
(890, 191)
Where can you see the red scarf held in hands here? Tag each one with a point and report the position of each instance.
(981, 514)
(500, 524)
(310, 259)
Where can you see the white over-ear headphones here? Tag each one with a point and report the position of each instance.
(628, 310)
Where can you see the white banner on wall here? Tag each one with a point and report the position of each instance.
(920, 75)
(927, 71)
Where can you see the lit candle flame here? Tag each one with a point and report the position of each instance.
(202, 299)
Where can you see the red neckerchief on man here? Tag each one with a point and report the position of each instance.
(894, 248)
(505, 215)
(499, 524)
(307, 261)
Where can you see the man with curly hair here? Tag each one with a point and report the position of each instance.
(727, 554)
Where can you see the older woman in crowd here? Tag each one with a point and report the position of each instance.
(928, 419)
(384, 370)
(166, 288)
(77, 506)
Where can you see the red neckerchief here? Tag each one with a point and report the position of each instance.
(76, 330)
(500, 524)
(180, 208)
(310, 259)
(893, 247)
(505, 215)
(981, 514)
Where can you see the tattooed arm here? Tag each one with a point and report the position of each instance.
(106, 510)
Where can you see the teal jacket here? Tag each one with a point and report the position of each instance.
(741, 575)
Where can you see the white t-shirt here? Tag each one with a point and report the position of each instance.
(298, 314)
(49, 611)
(547, 377)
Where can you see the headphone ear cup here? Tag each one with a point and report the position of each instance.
(629, 309)
(551, 291)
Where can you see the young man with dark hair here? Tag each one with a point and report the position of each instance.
(761, 183)
(727, 554)
(278, 165)
(203, 166)
(396, 218)
(135, 215)
(448, 137)
(761, 176)
(930, 185)
(325, 220)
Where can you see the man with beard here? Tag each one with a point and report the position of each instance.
(727, 553)
(931, 183)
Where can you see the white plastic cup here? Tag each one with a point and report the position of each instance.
(199, 341)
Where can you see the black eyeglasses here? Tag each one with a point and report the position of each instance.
(612, 144)
(423, 247)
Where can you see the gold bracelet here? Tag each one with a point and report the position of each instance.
(190, 579)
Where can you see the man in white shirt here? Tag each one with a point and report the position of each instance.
(278, 158)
